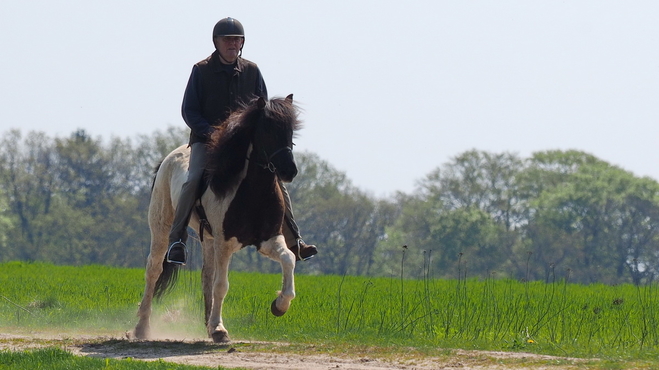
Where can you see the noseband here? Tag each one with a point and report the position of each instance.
(268, 158)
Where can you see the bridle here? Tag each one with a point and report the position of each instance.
(268, 165)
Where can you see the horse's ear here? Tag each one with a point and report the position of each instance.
(290, 98)
(260, 103)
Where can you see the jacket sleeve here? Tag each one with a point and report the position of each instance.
(260, 89)
(191, 108)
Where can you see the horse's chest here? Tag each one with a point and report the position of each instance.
(255, 214)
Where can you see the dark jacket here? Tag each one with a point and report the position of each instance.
(215, 90)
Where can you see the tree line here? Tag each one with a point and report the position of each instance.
(556, 215)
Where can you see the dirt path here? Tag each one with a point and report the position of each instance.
(265, 355)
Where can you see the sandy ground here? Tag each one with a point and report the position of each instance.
(263, 355)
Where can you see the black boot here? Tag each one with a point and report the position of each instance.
(177, 253)
(303, 251)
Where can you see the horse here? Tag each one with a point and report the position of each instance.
(249, 153)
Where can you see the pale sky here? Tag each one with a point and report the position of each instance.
(390, 89)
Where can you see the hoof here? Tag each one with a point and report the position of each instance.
(275, 311)
(138, 334)
(221, 337)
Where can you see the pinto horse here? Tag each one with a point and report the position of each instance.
(247, 157)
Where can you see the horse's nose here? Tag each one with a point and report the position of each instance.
(286, 166)
(288, 174)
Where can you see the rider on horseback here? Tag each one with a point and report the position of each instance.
(217, 86)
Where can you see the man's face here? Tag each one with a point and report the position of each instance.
(229, 47)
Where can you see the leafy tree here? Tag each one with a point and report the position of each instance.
(592, 218)
(151, 149)
(469, 207)
(27, 175)
(6, 223)
(79, 200)
(76, 200)
(407, 237)
(481, 180)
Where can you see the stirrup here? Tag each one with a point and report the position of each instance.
(185, 253)
(299, 251)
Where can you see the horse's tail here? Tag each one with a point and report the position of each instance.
(167, 278)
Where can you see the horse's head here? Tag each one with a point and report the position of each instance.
(273, 136)
(268, 127)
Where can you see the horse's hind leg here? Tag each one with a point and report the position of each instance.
(153, 270)
(276, 249)
(160, 214)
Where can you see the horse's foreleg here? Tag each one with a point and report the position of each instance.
(276, 249)
(207, 277)
(223, 254)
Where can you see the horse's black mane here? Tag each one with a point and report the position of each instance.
(227, 148)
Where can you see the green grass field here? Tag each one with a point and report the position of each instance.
(58, 359)
(610, 322)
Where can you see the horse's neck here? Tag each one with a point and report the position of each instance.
(256, 211)
(257, 178)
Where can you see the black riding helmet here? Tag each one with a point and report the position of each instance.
(229, 27)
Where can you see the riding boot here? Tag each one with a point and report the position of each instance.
(302, 250)
(177, 253)
(178, 235)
